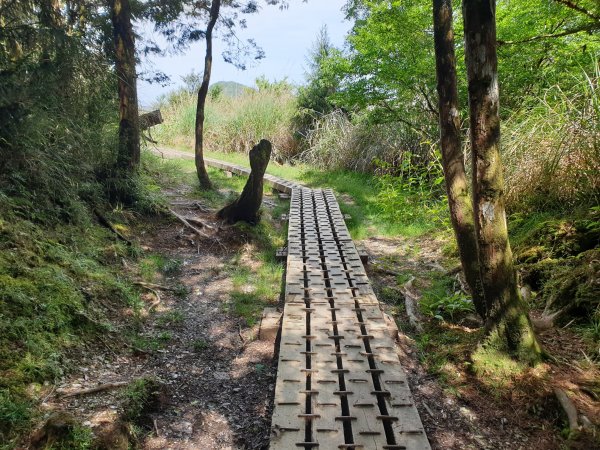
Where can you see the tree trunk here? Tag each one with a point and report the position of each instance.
(507, 323)
(128, 157)
(247, 205)
(459, 200)
(202, 93)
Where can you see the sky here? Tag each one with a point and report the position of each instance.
(285, 36)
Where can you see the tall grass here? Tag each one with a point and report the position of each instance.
(551, 148)
(336, 141)
(232, 123)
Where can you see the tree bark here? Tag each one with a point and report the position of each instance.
(128, 156)
(150, 119)
(202, 93)
(459, 199)
(507, 323)
(247, 205)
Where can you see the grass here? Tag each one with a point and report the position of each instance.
(257, 282)
(232, 122)
(151, 266)
(357, 193)
(200, 344)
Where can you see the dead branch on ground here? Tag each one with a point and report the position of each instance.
(99, 388)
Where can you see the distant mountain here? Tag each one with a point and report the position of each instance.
(231, 88)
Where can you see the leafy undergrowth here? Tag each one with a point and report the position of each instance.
(57, 288)
(66, 282)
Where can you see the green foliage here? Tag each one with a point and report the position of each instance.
(313, 97)
(258, 285)
(142, 397)
(388, 68)
(443, 301)
(559, 168)
(15, 416)
(412, 193)
(558, 258)
(55, 287)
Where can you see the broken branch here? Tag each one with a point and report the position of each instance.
(99, 388)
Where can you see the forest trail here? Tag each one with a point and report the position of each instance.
(277, 183)
(340, 383)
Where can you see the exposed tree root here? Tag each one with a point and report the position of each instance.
(151, 286)
(546, 321)
(569, 408)
(198, 232)
(411, 299)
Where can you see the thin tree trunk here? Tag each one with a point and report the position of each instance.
(459, 200)
(128, 157)
(202, 93)
(507, 323)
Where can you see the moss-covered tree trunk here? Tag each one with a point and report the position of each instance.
(459, 199)
(246, 207)
(202, 93)
(507, 323)
(128, 157)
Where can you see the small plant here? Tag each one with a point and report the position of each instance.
(200, 345)
(165, 336)
(181, 290)
(447, 307)
(142, 397)
(171, 267)
(170, 318)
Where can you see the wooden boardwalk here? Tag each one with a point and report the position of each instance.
(340, 384)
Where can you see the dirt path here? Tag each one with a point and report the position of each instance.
(218, 380)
